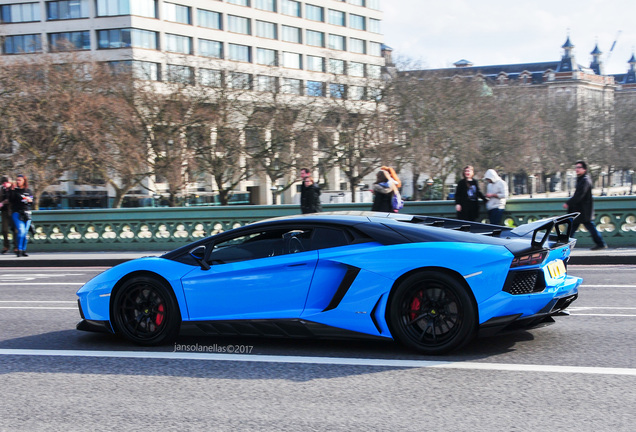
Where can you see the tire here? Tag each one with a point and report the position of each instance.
(432, 313)
(145, 312)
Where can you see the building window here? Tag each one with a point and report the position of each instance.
(266, 83)
(266, 5)
(375, 49)
(266, 57)
(373, 4)
(336, 17)
(240, 80)
(337, 91)
(314, 13)
(357, 46)
(24, 12)
(70, 41)
(356, 92)
(315, 38)
(145, 8)
(238, 24)
(140, 69)
(266, 29)
(240, 2)
(239, 53)
(336, 66)
(292, 60)
(357, 22)
(315, 64)
(356, 69)
(356, 2)
(180, 74)
(210, 77)
(61, 10)
(337, 42)
(177, 13)
(374, 25)
(291, 86)
(315, 88)
(290, 7)
(124, 38)
(209, 48)
(374, 71)
(178, 44)
(146, 70)
(291, 34)
(21, 44)
(209, 19)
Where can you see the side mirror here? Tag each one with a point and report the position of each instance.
(198, 253)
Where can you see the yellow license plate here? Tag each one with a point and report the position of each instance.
(556, 269)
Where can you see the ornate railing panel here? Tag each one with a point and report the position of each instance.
(163, 229)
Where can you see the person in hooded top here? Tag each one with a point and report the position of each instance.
(497, 193)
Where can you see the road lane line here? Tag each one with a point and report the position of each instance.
(336, 361)
(46, 283)
(39, 308)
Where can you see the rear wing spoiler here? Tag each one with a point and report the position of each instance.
(541, 229)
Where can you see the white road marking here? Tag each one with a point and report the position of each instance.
(39, 302)
(584, 285)
(46, 283)
(336, 361)
(36, 307)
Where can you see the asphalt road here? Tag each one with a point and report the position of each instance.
(578, 374)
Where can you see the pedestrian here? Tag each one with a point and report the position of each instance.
(309, 193)
(5, 209)
(21, 199)
(467, 196)
(496, 192)
(581, 202)
(395, 184)
(382, 193)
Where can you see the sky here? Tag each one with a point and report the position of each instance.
(437, 33)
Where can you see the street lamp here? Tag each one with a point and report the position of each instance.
(603, 175)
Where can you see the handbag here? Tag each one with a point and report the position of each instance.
(25, 215)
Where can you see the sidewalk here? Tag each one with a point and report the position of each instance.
(581, 256)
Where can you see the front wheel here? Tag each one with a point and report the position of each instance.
(432, 313)
(144, 311)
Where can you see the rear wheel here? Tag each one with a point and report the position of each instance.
(144, 311)
(432, 313)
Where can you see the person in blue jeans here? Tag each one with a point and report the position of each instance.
(21, 199)
(581, 202)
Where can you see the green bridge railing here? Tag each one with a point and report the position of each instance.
(164, 229)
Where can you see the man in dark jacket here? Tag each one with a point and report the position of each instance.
(5, 210)
(309, 193)
(581, 202)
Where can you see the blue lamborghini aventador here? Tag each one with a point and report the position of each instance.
(430, 283)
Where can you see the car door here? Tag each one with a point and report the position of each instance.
(257, 275)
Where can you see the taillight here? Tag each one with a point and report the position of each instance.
(529, 260)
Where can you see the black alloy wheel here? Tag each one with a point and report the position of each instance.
(145, 311)
(432, 313)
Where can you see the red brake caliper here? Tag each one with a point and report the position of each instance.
(159, 317)
(415, 306)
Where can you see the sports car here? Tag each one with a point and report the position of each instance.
(430, 283)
